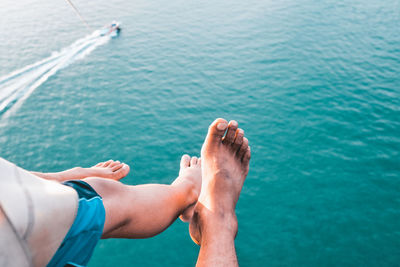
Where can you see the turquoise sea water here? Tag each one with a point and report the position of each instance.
(314, 84)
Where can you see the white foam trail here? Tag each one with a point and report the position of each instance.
(19, 85)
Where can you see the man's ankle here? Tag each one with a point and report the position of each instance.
(212, 223)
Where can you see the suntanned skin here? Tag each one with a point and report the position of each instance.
(139, 211)
(109, 169)
(143, 211)
(209, 203)
(225, 164)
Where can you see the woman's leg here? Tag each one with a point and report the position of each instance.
(110, 169)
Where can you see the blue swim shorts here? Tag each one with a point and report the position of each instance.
(81, 239)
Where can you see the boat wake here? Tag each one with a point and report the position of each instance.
(19, 85)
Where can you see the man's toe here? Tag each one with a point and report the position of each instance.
(230, 133)
(247, 156)
(238, 139)
(243, 148)
(216, 130)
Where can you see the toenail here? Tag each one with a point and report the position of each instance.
(222, 126)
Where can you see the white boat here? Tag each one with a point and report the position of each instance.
(112, 29)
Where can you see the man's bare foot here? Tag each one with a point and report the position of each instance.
(110, 169)
(225, 164)
(190, 179)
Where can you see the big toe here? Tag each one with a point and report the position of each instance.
(185, 161)
(216, 131)
(121, 172)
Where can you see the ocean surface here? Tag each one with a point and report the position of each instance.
(314, 84)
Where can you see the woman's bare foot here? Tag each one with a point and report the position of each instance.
(190, 179)
(225, 164)
(110, 169)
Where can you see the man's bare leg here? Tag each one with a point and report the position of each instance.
(146, 210)
(110, 169)
(225, 164)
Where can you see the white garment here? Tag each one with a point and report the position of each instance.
(38, 211)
